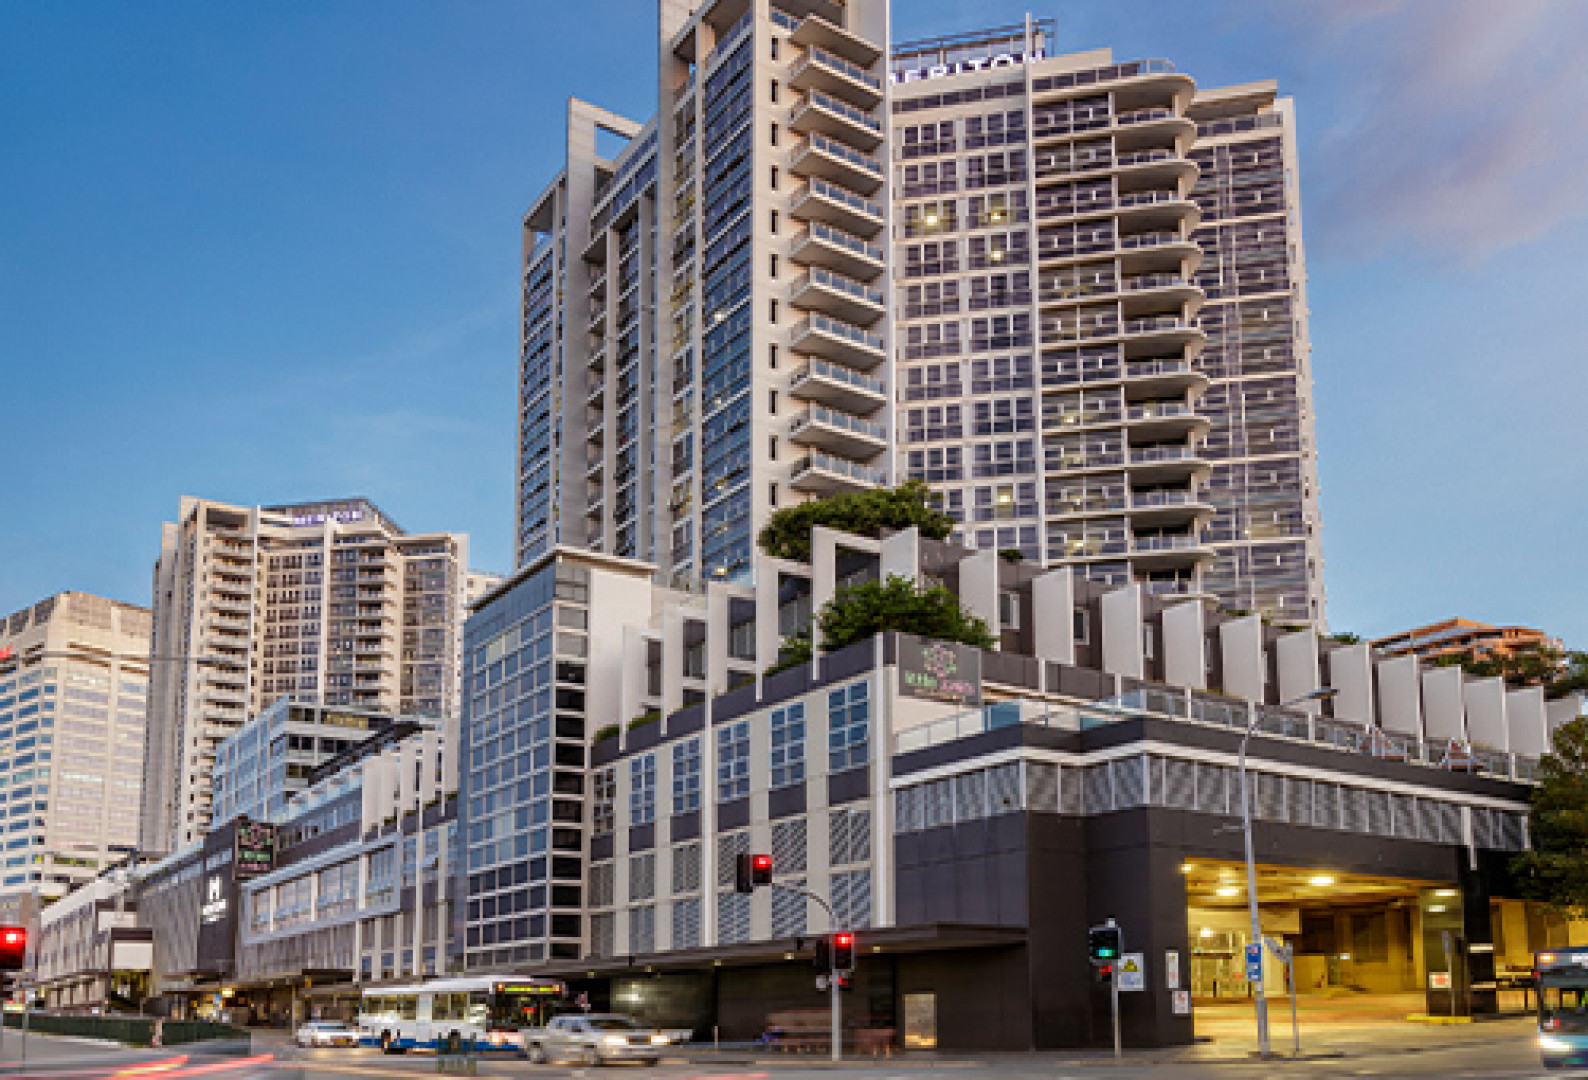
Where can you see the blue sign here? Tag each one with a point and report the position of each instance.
(1254, 963)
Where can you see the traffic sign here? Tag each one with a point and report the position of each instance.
(1254, 963)
(1132, 972)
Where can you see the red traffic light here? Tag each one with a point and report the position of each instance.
(843, 951)
(13, 947)
(846, 941)
(761, 870)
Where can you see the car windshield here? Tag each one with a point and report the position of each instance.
(613, 1023)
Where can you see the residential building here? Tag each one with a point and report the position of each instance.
(73, 674)
(1101, 317)
(704, 314)
(1464, 639)
(264, 763)
(327, 603)
(1074, 773)
(1266, 528)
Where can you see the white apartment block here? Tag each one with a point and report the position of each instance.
(1101, 317)
(75, 678)
(328, 603)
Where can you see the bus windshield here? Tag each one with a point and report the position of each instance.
(513, 1008)
(1563, 1009)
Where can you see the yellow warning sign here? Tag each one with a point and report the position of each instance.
(1132, 971)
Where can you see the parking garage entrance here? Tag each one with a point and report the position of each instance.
(1366, 948)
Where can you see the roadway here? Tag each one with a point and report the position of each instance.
(1496, 1049)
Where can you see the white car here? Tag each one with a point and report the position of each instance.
(594, 1039)
(326, 1033)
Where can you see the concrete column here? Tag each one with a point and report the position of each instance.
(1244, 671)
(1183, 630)
(1053, 606)
(1122, 632)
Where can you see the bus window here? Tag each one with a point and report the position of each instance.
(407, 1007)
(479, 1008)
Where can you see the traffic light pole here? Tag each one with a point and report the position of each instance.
(832, 970)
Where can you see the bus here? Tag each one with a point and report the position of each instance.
(483, 1011)
(1561, 979)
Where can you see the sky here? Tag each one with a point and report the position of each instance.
(268, 253)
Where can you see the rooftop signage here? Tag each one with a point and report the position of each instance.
(964, 67)
(256, 848)
(939, 670)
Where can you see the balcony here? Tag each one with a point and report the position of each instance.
(829, 429)
(1161, 332)
(822, 474)
(1168, 552)
(817, 32)
(829, 72)
(823, 114)
(839, 296)
(835, 340)
(1159, 288)
(833, 205)
(1155, 123)
(838, 386)
(1168, 508)
(1162, 419)
(1162, 210)
(834, 249)
(1165, 464)
(1157, 166)
(829, 159)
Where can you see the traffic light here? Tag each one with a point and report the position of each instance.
(843, 951)
(844, 979)
(823, 960)
(752, 870)
(13, 948)
(1103, 944)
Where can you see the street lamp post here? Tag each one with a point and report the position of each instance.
(1259, 996)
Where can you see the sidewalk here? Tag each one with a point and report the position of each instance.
(1333, 1043)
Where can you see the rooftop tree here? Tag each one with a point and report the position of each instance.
(787, 533)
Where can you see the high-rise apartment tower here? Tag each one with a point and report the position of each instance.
(1100, 317)
(704, 334)
(326, 602)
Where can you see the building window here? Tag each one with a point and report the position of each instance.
(1009, 610)
(788, 745)
(1083, 627)
(603, 810)
(848, 726)
(686, 775)
(642, 789)
(733, 761)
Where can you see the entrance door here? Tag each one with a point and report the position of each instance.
(920, 1021)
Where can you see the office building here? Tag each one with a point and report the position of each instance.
(1101, 317)
(278, 922)
(327, 603)
(704, 314)
(73, 683)
(267, 761)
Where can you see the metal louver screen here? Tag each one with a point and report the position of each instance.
(729, 847)
(686, 868)
(1042, 787)
(788, 912)
(1003, 789)
(788, 846)
(686, 923)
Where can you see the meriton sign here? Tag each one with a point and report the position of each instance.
(963, 67)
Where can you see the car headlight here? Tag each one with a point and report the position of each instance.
(658, 1040)
(1550, 1042)
(613, 1040)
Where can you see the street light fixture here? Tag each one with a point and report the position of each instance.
(1259, 997)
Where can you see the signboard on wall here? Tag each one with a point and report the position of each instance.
(939, 670)
(1171, 969)
(256, 848)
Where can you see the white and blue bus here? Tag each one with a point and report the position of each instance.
(485, 1012)
(1561, 979)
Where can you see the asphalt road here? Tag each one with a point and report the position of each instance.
(1490, 1051)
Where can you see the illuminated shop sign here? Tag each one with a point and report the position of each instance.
(214, 907)
(964, 67)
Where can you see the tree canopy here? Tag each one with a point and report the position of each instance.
(787, 533)
(1558, 672)
(859, 611)
(1556, 870)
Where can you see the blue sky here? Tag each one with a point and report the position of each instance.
(268, 252)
